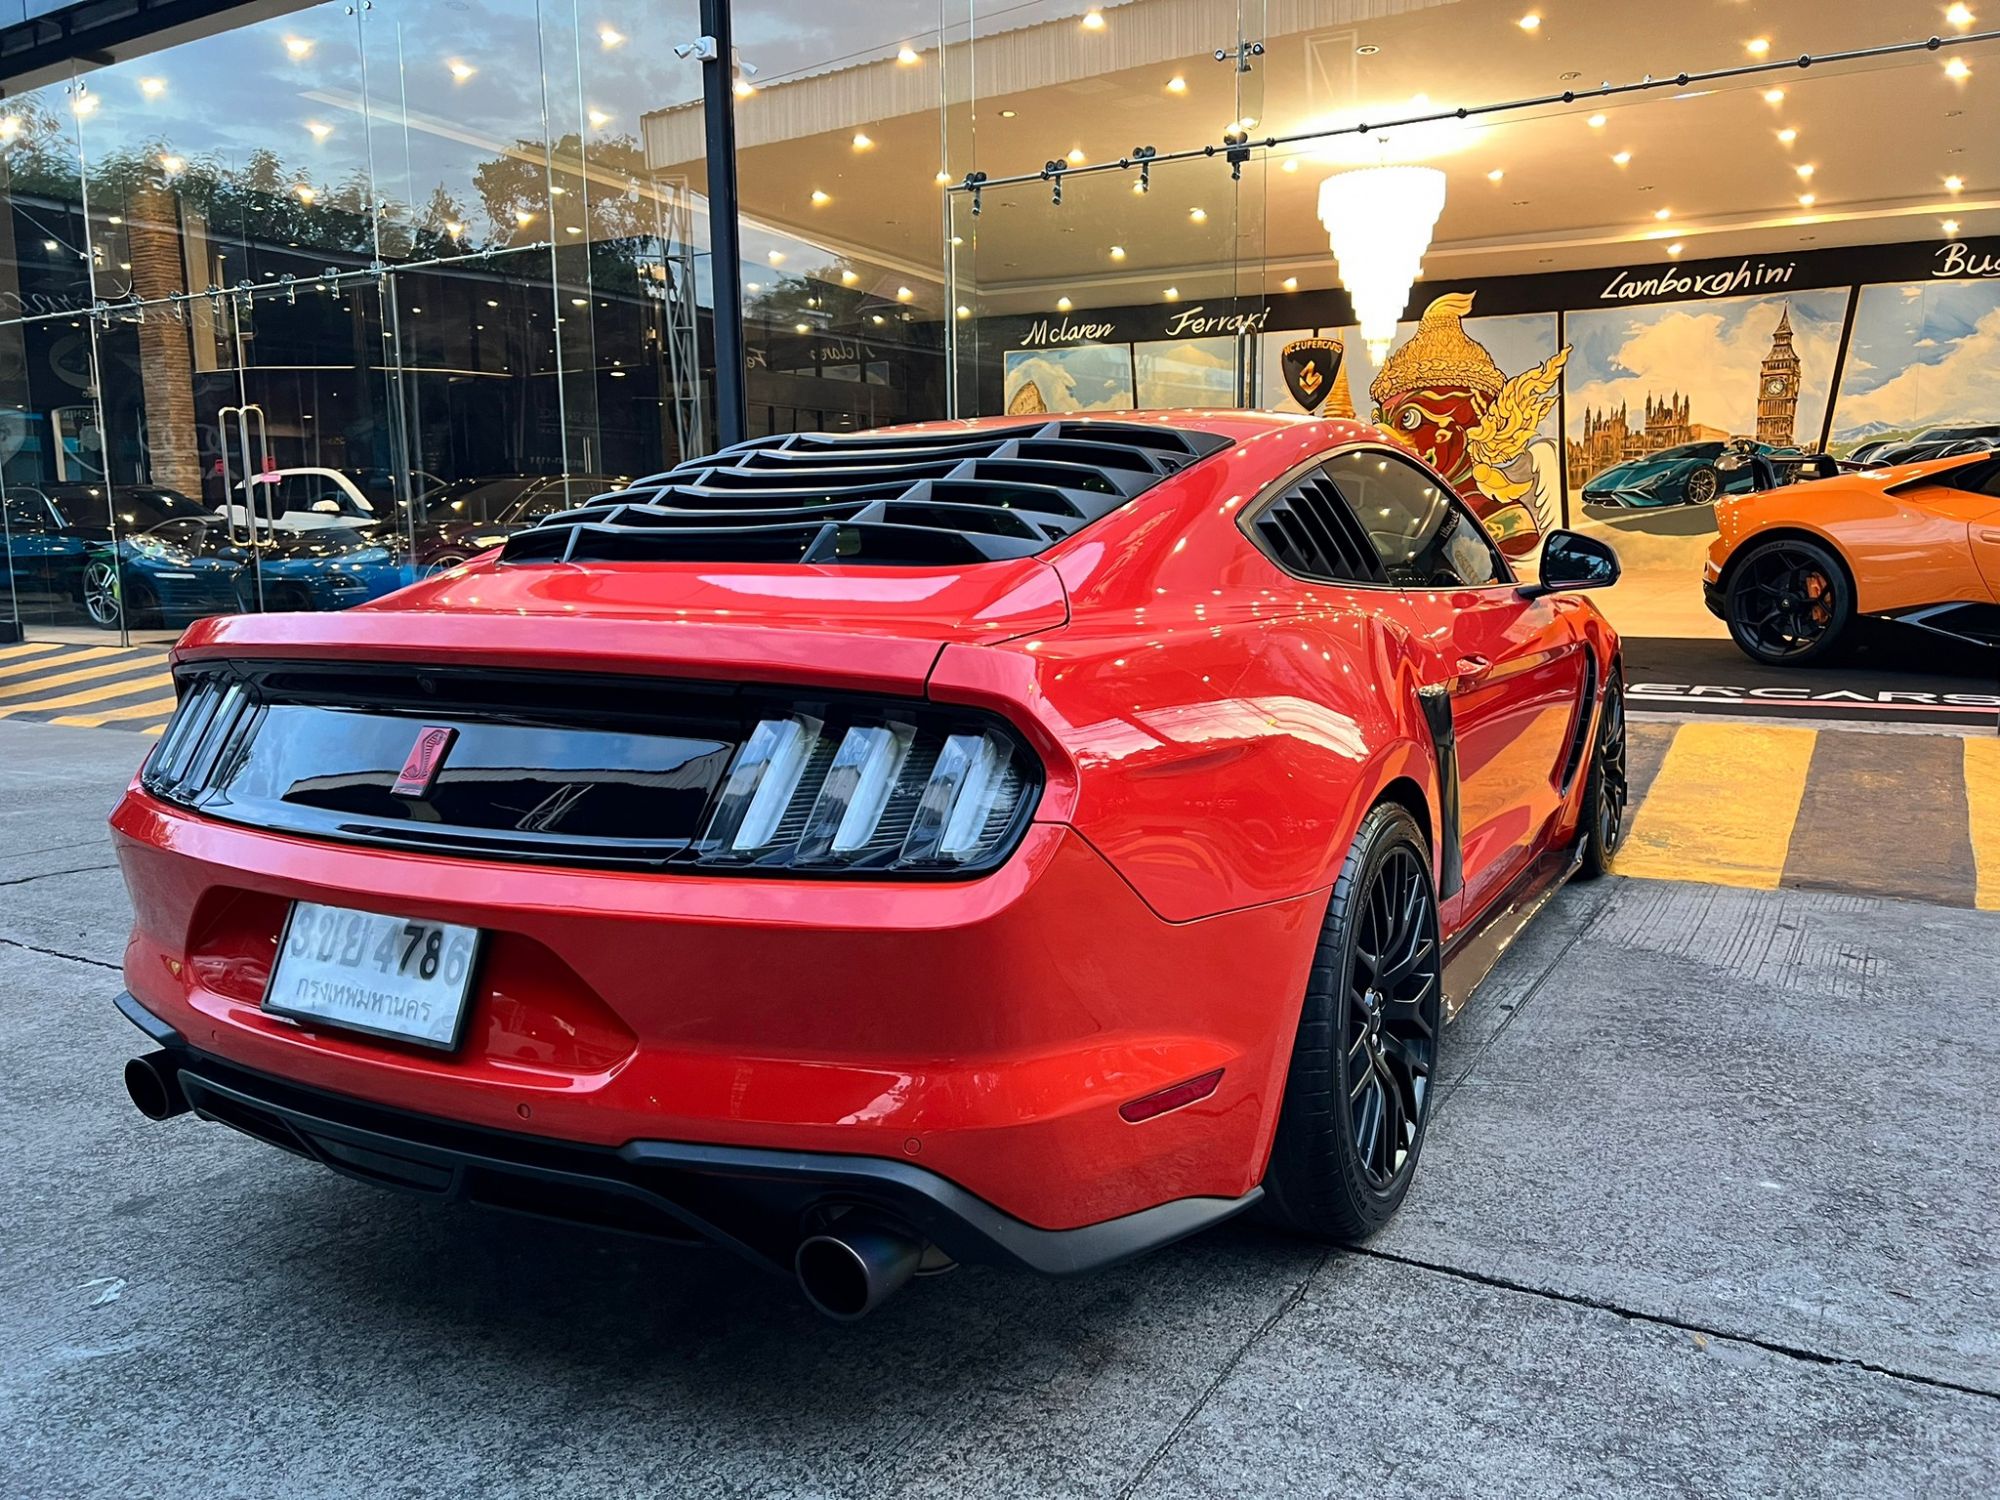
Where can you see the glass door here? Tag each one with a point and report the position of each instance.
(252, 454)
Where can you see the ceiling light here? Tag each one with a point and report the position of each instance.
(1530, 22)
(1379, 222)
(904, 294)
(609, 36)
(878, 320)
(1663, 213)
(152, 88)
(1957, 69)
(1290, 283)
(775, 257)
(1495, 175)
(298, 46)
(1774, 96)
(599, 119)
(523, 217)
(1063, 304)
(461, 70)
(1807, 200)
(964, 311)
(848, 278)
(1595, 122)
(1093, 20)
(1674, 248)
(1291, 164)
(820, 199)
(454, 229)
(1366, 49)
(1757, 46)
(1805, 169)
(1623, 158)
(306, 194)
(1199, 215)
(1076, 156)
(1008, 114)
(1954, 184)
(1117, 252)
(172, 164)
(85, 104)
(319, 131)
(802, 328)
(861, 141)
(744, 88)
(1951, 226)
(1172, 294)
(906, 55)
(1177, 84)
(1958, 15)
(1788, 135)
(117, 219)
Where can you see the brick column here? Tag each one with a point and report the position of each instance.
(166, 361)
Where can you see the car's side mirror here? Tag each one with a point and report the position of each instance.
(1574, 561)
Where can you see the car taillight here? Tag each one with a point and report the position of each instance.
(898, 791)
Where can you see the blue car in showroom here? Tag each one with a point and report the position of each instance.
(192, 565)
(1691, 474)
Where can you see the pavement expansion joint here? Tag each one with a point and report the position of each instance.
(75, 958)
(47, 874)
(1706, 1331)
(1278, 1315)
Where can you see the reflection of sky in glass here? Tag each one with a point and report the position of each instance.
(1186, 372)
(1923, 354)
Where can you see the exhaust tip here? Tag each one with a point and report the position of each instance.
(155, 1086)
(851, 1272)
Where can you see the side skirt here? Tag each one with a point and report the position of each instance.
(1473, 954)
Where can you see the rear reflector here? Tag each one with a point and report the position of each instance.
(1172, 1097)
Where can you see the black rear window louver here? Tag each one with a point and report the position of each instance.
(1309, 531)
(937, 498)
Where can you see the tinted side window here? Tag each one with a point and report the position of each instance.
(1420, 531)
(1977, 479)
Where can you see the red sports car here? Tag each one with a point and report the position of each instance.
(1010, 841)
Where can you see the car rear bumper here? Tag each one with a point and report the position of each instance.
(757, 1203)
(986, 1031)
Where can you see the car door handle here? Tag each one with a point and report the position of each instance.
(1472, 668)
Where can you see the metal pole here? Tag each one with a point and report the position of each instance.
(725, 256)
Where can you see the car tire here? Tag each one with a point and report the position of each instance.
(1701, 486)
(101, 596)
(1787, 602)
(1358, 1096)
(1601, 825)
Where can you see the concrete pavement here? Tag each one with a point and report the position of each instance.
(1708, 1207)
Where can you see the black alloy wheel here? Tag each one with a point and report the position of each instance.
(1788, 603)
(1359, 1094)
(1702, 486)
(1606, 790)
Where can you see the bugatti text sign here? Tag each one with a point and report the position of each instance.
(1625, 287)
(1957, 259)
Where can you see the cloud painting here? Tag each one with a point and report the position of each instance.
(1922, 355)
(1079, 377)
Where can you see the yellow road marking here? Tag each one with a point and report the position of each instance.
(29, 648)
(162, 682)
(154, 708)
(29, 668)
(34, 684)
(1722, 809)
(1982, 802)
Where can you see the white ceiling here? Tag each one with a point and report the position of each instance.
(1880, 136)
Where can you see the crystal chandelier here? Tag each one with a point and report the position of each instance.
(1380, 221)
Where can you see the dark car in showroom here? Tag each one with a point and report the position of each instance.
(467, 516)
(196, 565)
(1686, 474)
(1934, 442)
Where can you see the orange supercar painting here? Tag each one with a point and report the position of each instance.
(1792, 567)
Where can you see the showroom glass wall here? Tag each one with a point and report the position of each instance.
(293, 311)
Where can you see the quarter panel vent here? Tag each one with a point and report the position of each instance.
(1309, 531)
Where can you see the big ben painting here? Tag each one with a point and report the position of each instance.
(1778, 387)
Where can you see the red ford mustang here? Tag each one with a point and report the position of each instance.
(1009, 841)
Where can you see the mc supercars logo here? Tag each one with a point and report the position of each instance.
(1309, 366)
(425, 760)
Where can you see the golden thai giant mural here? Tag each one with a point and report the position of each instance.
(1442, 396)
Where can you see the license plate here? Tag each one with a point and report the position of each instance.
(399, 977)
